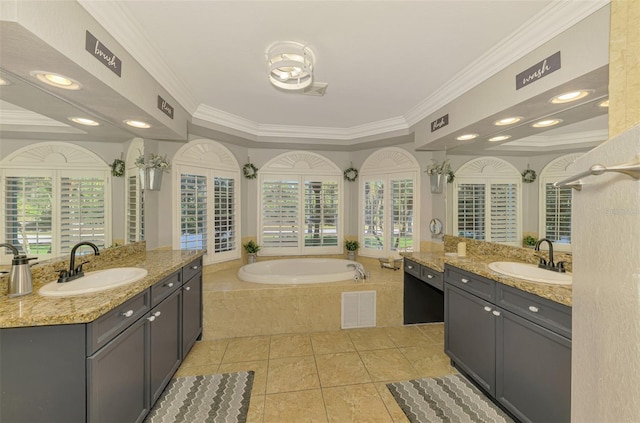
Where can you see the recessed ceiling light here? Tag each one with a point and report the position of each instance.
(137, 124)
(604, 103)
(545, 123)
(84, 121)
(57, 80)
(4, 82)
(508, 121)
(499, 138)
(570, 96)
(467, 137)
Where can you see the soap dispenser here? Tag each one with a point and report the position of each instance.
(20, 282)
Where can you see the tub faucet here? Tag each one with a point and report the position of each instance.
(360, 273)
(74, 271)
(549, 264)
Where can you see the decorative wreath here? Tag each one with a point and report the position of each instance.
(529, 176)
(250, 171)
(117, 167)
(351, 174)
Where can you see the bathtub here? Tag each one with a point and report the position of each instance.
(297, 271)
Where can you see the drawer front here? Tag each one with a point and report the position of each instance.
(548, 314)
(476, 285)
(191, 269)
(412, 268)
(165, 287)
(432, 277)
(110, 325)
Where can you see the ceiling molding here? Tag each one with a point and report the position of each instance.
(25, 117)
(560, 140)
(122, 28)
(551, 21)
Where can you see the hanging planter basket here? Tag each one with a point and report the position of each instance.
(437, 182)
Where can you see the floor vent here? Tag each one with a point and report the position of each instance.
(358, 309)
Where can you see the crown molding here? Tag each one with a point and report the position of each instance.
(560, 140)
(125, 31)
(549, 22)
(27, 118)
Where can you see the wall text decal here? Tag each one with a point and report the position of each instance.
(166, 108)
(103, 54)
(440, 123)
(537, 71)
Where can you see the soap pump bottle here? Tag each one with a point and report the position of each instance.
(20, 282)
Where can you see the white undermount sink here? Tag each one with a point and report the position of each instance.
(531, 272)
(97, 281)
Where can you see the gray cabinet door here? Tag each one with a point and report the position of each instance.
(533, 375)
(191, 312)
(164, 342)
(470, 335)
(117, 378)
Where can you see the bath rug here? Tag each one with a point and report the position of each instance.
(450, 398)
(222, 398)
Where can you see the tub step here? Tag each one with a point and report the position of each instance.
(358, 309)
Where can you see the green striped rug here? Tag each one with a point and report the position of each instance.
(222, 398)
(450, 398)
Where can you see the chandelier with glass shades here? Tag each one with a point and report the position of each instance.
(290, 65)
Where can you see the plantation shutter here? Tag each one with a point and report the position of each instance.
(133, 216)
(320, 213)
(558, 213)
(82, 211)
(193, 211)
(471, 210)
(224, 213)
(27, 210)
(280, 213)
(504, 216)
(402, 215)
(374, 224)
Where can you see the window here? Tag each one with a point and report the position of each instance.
(301, 204)
(207, 207)
(54, 196)
(556, 203)
(134, 198)
(389, 203)
(487, 201)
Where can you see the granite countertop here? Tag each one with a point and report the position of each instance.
(479, 265)
(36, 310)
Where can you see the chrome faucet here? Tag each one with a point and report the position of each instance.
(74, 271)
(549, 264)
(360, 273)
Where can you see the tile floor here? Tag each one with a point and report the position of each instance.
(336, 376)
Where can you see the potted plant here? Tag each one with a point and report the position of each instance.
(352, 247)
(252, 249)
(529, 241)
(151, 171)
(438, 172)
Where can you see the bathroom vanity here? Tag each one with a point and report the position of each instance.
(109, 369)
(423, 298)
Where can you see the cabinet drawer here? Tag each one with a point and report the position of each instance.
(191, 269)
(412, 268)
(432, 277)
(108, 326)
(477, 285)
(548, 314)
(165, 287)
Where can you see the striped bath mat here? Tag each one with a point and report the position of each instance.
(222, 398)
(450, 398)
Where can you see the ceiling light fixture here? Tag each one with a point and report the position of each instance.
(508, 121)
(4, 82)
(56, 80)
(467, 137)
(499, 138)
(570, 96)
(290, 65)
(604, 103)
(84, 121)
(138, 124)
(546, 123)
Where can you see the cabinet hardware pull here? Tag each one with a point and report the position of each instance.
(464, 280)
(487, 308)
(151, 318)
(127, 313)
(533, 309)
(157, 314)
(410, 267)
(430, 276)
(194, 268)
(169, 285)
(496, 313)
(187, 288)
